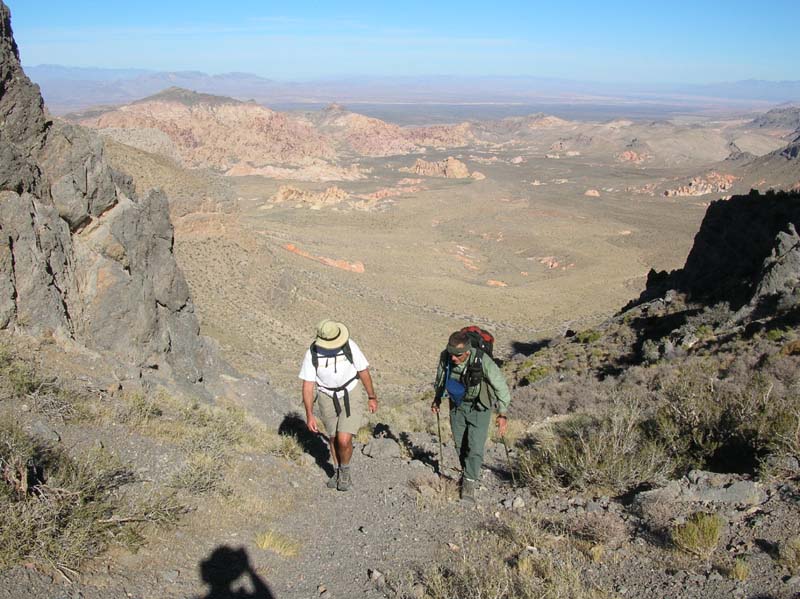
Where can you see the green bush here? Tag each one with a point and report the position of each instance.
(588, 336)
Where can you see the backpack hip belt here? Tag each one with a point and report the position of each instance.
(335, 397)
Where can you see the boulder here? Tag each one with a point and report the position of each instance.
(382, 448)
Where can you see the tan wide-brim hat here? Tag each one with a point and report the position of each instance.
(331, 334)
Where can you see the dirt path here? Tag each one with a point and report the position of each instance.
(396, 520)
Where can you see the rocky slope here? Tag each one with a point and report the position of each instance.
(210, 131)
(240, 138)
(82, 259)
(783, 119)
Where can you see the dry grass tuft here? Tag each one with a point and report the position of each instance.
(604, 527)
(201, 475)
(484, 570)
(276, 542)
(364, 434)
(699, 535)
(57, 510)
(740, 570)
(435, 489)
(287, 447)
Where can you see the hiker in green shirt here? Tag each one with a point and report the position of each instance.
(474, 385)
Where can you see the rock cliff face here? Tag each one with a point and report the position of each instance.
(747, 252)
(82, 259)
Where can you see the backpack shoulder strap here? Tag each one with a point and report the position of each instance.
(314, 356)
(473, 373)
(347, 351)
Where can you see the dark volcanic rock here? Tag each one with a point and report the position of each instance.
(81, 258)
(792, 151)
(742, 252)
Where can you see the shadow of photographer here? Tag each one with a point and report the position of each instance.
(224, 567)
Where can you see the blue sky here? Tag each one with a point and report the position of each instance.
(648, 41)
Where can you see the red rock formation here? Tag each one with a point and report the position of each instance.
(357, 267)
(220, 135)
(713, 182)
(634, 157)
(451, 168)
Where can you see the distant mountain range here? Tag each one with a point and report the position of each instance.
(68, 89)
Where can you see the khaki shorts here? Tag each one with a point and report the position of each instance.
(342, 424)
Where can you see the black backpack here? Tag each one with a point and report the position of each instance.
(348, 353)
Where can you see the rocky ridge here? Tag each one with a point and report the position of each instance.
(200, 131)
(84, 260)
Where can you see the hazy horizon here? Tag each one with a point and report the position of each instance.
(684, 43)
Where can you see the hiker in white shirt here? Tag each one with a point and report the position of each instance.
(335, 365)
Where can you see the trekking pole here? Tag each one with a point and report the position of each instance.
(441, 454)
(508, 459)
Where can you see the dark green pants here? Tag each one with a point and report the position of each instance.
(470, 428)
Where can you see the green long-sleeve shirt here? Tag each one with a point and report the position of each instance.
(498, 396)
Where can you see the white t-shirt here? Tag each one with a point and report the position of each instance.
(333, 369)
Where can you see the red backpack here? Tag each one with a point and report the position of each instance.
(480, 338)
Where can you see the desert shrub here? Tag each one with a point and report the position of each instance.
(57, 510)
(612, 452)
(588, 336)
(536, 373)
(200, 475)
(699, 535)
(778, 334)
(739, 570)
(490, 572)
(726, 425)
(789, 555)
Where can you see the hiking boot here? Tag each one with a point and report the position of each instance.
(468, 491)
(345, 482)
(333, 481)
